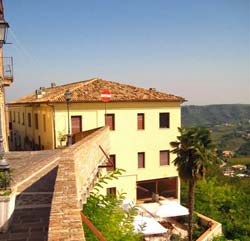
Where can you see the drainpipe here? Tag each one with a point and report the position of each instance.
(25, 126)
(53, 125)
(32, 126)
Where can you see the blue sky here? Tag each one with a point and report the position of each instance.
(193, 48)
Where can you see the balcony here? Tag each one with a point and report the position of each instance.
(7, 70)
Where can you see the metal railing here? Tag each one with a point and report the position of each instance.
(8, 68)
(91, 226)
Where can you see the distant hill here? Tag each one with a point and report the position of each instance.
(230, 125)
(211, 115)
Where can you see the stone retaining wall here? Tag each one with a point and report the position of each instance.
(77, 170)
(214, 230)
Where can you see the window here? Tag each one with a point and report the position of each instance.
(18, 117)
(113, 161)
(39, 142)
(167, 187)
(14, 116)
(140, 121)
(36, 121)
(111, 191)
(164, 158)
(141, 159)
(19, 141)
(110, 121)
(44, 122)
(164, 120)
(10, 116)
(29, 119)
(76, 124)
(23, 119)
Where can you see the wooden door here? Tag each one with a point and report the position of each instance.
(76, 124)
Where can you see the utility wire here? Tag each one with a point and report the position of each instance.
(23, 49)
(20, 48)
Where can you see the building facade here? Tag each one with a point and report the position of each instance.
(6, 78)
(142, 123)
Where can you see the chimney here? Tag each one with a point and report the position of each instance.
(38, 94)
(152, 89)
(42, 90)
(53, 84)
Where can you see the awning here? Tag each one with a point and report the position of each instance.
(165, 208)
(150, 226)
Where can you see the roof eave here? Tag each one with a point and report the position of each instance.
(93, 101)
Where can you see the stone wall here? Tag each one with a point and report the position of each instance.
(77, 170)
(88, 156)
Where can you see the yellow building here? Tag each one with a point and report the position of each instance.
(142, 123)
(6, 78)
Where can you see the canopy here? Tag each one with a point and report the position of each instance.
(165, 208)
(148, 226)
(171, 209)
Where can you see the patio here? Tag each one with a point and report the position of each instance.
(158, 220)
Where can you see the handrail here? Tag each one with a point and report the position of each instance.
(91, 226)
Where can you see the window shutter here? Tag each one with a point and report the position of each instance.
(76, 124)
(113, 161)
(29, 119)
(111, 191)
(140, 121)
(36, 121)
(141, 160)
(110, 121)
(164, 158)
(164, 120)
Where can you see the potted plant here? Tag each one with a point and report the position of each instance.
(62, 138)
(7, 197)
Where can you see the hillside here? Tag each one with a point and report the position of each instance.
(211, 115)
(230, 125)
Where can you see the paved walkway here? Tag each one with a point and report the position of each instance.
(28, 224)
(32, 210)
(24, 164)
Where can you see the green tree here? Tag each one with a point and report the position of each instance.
(107, 215)
(195, 151)
(226, 201)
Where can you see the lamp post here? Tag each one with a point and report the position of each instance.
(4, 165)
(3, 29)
(3, 25)
(67, 96)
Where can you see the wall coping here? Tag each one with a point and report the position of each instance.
(215, 228)
(65, 220)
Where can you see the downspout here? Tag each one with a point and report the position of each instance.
(32, 126)
(6, 145)
(53, 125)
(25, 126)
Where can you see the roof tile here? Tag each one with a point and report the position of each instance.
(90, 91)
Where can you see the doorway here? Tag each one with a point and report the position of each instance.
(76, 124)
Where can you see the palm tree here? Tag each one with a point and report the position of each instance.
(195, 151)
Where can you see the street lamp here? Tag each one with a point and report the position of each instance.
(67, 96)
(3, 29)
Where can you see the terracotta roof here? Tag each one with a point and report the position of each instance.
(90, 91)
